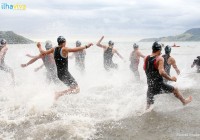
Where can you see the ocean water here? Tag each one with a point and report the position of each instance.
(110, 105)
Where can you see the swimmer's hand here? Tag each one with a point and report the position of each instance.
(28, 55)
(173, 79)
(23, 65)
(89, 45)
(39, 45)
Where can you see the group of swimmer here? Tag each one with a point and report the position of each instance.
(55, 60)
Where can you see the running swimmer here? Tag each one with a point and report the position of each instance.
(154, 69)
(48, 62)
(79, 57)
(109, 51)
(169, 61)
(61, 59)
(197, 64)
(3, 66)
(135, 60)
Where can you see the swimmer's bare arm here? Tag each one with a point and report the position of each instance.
(194, 63)
(141, 55)
(99, 43)
(42, 52)
(76, 49)
(115, 51)
(31, 56)
(3, 52)
(32, 61)
(173, 62)
(162, 71)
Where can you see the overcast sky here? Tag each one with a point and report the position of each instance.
(128, 20)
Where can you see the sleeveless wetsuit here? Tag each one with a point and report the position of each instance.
(166, 65)
(50, 66)
(197, 63)
(62, 68)
(154, 80)
(108, 63)
(80, 59)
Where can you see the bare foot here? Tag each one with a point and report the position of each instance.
(188, 100)
(149, 108)
(75, 91)
(66, 92)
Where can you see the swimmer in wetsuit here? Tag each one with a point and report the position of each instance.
(48, 62)
(109, 51)
(169, 61)
(3, 66)
(154, 69)
(196, 63)
(61, 59)
(135, 60)
(79, 58)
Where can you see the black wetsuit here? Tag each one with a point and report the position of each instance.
(80, 60)
(154, 80)
(167, 66)
(108, 63)
(62, 68)
(51, 68)
(197, 63)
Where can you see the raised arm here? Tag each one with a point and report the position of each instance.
(32, 61)
(175, 66)
(162, 70)
(44, 52)
(99, 43)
